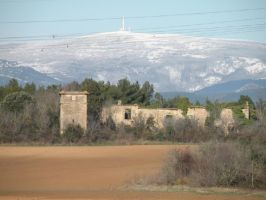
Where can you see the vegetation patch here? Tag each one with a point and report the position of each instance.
(30, 114)
(216, 164)
(73, 133)
(198, 190)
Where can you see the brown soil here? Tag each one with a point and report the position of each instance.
(83, 173)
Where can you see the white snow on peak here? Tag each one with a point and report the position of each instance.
(174, 74)
(172, 61)
(256, 68)
(196, 88)
(210, 80)
(195, 56)
(254, 65)
(248, 87)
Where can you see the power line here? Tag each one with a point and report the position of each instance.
(150, 30)
(132, 17)
(130, 42)
(203, 24)
(198, 13)
(215, 28)
(209, 31)
(50, 36)
(127, 44)
(60, 20)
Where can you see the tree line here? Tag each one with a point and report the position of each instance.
(30, 113)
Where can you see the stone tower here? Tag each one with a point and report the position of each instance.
(73, 109)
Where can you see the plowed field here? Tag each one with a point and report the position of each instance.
(84, 173)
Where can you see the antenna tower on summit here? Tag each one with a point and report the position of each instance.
(123, 24)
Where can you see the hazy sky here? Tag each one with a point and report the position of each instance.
(208, 14)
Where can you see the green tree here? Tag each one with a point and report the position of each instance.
(197, 103)
(30, 88)
(147, 91)
(243, 99)
(113, 93)
(95, 98)
(157, 101)
(16, 102)
(130, 93)
(2, 93)
(73, 86)
(214, 110)
(13, 86)
(179, 102)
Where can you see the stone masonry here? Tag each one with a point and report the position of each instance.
(73, 109)
(125, 114)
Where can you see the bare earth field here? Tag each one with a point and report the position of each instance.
(100, 172)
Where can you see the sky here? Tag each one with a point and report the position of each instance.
(38, 19)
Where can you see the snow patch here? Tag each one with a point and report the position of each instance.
(196, 88)
(172, 61)
(224, 69)
(174, 74)
(195, 56)
(256, 68)
(212, 80)
(249, 87)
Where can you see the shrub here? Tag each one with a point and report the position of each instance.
(185, 130)
(73, 133)
(143, 129)
(222, 164)
(214, 110)
(216, 164)
(138, 126)
(239, 116)
(178, 166)
(110, 123)
(253, 138)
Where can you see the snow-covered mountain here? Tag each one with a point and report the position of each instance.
(231, 90)
(236, 86)
(171, 62)
(11, 70)
(228, 91)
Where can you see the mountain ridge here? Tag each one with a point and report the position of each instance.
(23, 74)
(169, 61)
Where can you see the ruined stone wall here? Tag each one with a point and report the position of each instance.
(117, 113)
(159, 115)
(73, 109)
(226, 120)
(246, 112)
(199, 114)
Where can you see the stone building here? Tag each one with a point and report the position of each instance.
(226, 120)
(73, 109)
(125, 114)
